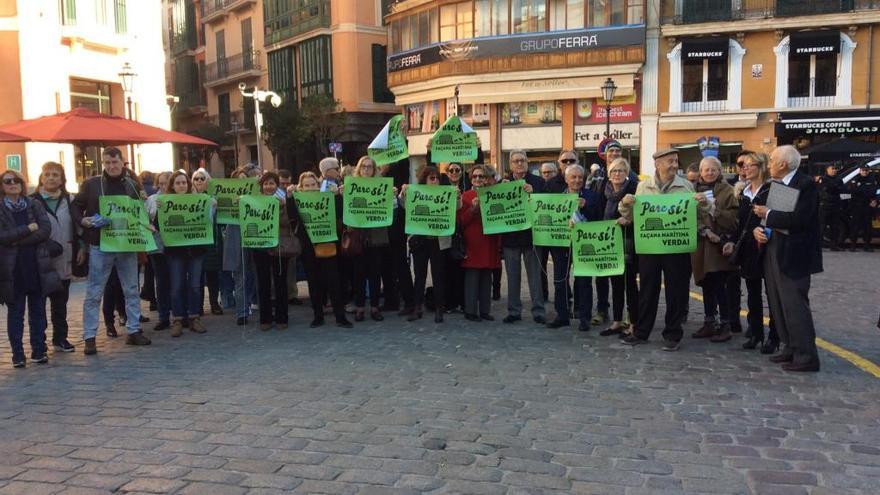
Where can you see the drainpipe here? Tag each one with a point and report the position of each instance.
(870, 64)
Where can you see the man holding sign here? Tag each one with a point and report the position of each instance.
(86, 207)
(670, 261)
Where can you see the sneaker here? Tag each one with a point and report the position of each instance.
(90, 347)
(41, 359)
(632, 340)
(196, 325)
(162, 325)
(511, 319)
(177, 328)
(64, 346)
(671, 345)
(350, 308)
(19, 361)
(137, 338)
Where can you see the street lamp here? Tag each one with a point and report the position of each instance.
(259, 96)
(235, 128)
(127, 76)
(608, 90)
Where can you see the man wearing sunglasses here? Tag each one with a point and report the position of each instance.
(85, 210)
(518, 250)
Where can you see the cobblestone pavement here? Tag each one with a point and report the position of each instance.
(400, 407)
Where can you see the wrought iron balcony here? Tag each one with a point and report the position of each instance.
(704, 97)
(812, 92)
(698, 11)
(307, 16)
(213, 9)
(232, 68)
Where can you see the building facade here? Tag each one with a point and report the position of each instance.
(61, 54)
(528, 74)
(760, 73)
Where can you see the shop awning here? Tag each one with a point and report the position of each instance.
(700, 48)
(543, 89)
(841, 149)
(846, 123)
(806, 43)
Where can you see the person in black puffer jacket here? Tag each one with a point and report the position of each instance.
(24, 230)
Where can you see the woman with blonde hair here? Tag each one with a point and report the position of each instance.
(367, 266)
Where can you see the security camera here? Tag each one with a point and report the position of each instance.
(242, 86)
(275, 100)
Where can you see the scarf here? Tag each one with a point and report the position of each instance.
(613, 198)
(47, 195)
(17, 206)
(701, 186)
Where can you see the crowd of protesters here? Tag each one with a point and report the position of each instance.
(372, 272)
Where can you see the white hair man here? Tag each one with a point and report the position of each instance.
(794, 253)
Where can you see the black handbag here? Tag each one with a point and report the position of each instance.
(54, 248)
(457, 250)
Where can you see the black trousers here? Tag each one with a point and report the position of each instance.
(113, 300)
(733, 286)
(271, 274)
(496, 280)
(625, 288)
(212, 282)
(545, 256)
(396, 274)
(832, 220)
(755, 299)
(58, 310)
(675, 271)
(861, 225)
(431, 253)
(148, 290)
(454, 282)
(789, 301)
(322, 275)
(367, 269)
(602, 285)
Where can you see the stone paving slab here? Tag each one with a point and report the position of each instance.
(403, 407)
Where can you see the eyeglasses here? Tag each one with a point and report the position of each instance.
(568, 160)
(478, 176)
(740, 164)
(454, 170)
(617, 171)
(199, 178)
(12, 181)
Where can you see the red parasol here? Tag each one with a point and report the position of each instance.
(8, 137)
(86, 127)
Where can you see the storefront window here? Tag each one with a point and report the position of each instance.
(607, 12)
(529, 16)
(566, 14)
(456, 21)
(531, 113)
(423, 117)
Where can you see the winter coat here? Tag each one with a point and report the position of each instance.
(749, 257)
(65, 231)
(720, 218)
(483, 251)
(12, 236)
(679, 185)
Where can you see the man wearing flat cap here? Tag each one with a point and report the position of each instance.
(675, 269)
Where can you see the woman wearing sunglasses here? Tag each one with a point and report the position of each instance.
(24, 229)
(482, 251)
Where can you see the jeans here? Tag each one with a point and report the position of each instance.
(36, 306)
(100, 264)
(58, 305)
(163, 286)
(514, 258)
(715, 296)
(186, 284)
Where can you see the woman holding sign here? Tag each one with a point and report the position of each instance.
(213, 253)
(711, 267)
(185, 269)
(483, 252)
(367, 266)
(623, 287)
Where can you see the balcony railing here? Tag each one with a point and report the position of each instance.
(190, 101)
(704, 97)
(308, 16)
(697, 11)
(812, 92)
(234, 67)
(230, 120)
(212, 9)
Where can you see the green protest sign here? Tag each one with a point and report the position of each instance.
(318, 213)
(128, 231)
(259, 216)
(454, 142)
(665, 223)
(551, 214)
(597, 249)
(505, 207)
(389, 146)
(185, 219)
(430, 210)
(368, 202)
(227, 192)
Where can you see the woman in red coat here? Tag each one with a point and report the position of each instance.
(482, 251)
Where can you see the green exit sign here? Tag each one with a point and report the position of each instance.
(13, 162)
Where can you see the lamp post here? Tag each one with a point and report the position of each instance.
(608, 90)
(259, 96)
(127, 76)
(235, 128)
